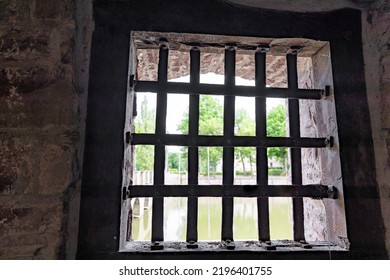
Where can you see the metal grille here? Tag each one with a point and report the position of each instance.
(227, 191)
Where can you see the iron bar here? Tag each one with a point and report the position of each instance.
(225, 141)
(211, 89)
(229, 191)
(296, 163)
(228, 152)
(159, 151)
(261, 152)
(193, 156)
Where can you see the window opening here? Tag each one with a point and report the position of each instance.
(212, 146)
(211, 115)
(177, 113)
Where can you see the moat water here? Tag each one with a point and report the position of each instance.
(210, 219)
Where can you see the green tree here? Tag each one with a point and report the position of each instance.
(178, 161)
(210, 123)
(145, 123)
(245, 126)
(276, 127)
(173, 161)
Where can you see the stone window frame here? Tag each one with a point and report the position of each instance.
(101, 195)
(259, 49)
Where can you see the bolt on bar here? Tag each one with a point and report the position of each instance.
(296, 163)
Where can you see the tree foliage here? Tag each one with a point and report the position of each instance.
(145, 123)
(210, 123)
(245, 126)
(276, 127)
(178, 161)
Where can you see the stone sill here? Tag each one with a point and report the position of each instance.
(240, 246)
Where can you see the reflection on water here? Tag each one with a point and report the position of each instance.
(280, 218)
(175, 218)
(210, 219)
(245, 219)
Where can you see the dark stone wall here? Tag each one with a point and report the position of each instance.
(41, 125)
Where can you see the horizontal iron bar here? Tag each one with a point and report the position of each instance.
(223, 141)
(211, 89)
(313, 191)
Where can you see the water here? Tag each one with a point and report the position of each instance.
(210, 219)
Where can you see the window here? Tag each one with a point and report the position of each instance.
(188, 50)
(349, 165)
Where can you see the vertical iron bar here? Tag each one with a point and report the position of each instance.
(159, 151)
(296, 163)
(228, 152)
(261, 153)
(193, 157)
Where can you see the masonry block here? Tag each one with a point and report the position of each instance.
(30, 227)
(37, 161)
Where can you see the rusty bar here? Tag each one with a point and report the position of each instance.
(159, 151)
(261, 152)
(225, 141)
(228, 152)
(296, 163)
(193, 157)
(210, 89)
(229, 191)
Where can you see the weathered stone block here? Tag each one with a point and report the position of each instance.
(39, 161)
(27, 79)
(30, 214)
(22, 45)
(55, 169)
(49, 9)
(315, 220)
(15, 8)
(53, 105)
(30, 227)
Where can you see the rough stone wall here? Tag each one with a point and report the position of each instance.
(314, 211)
(324, 219)
(44, 48)
(376, 47)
